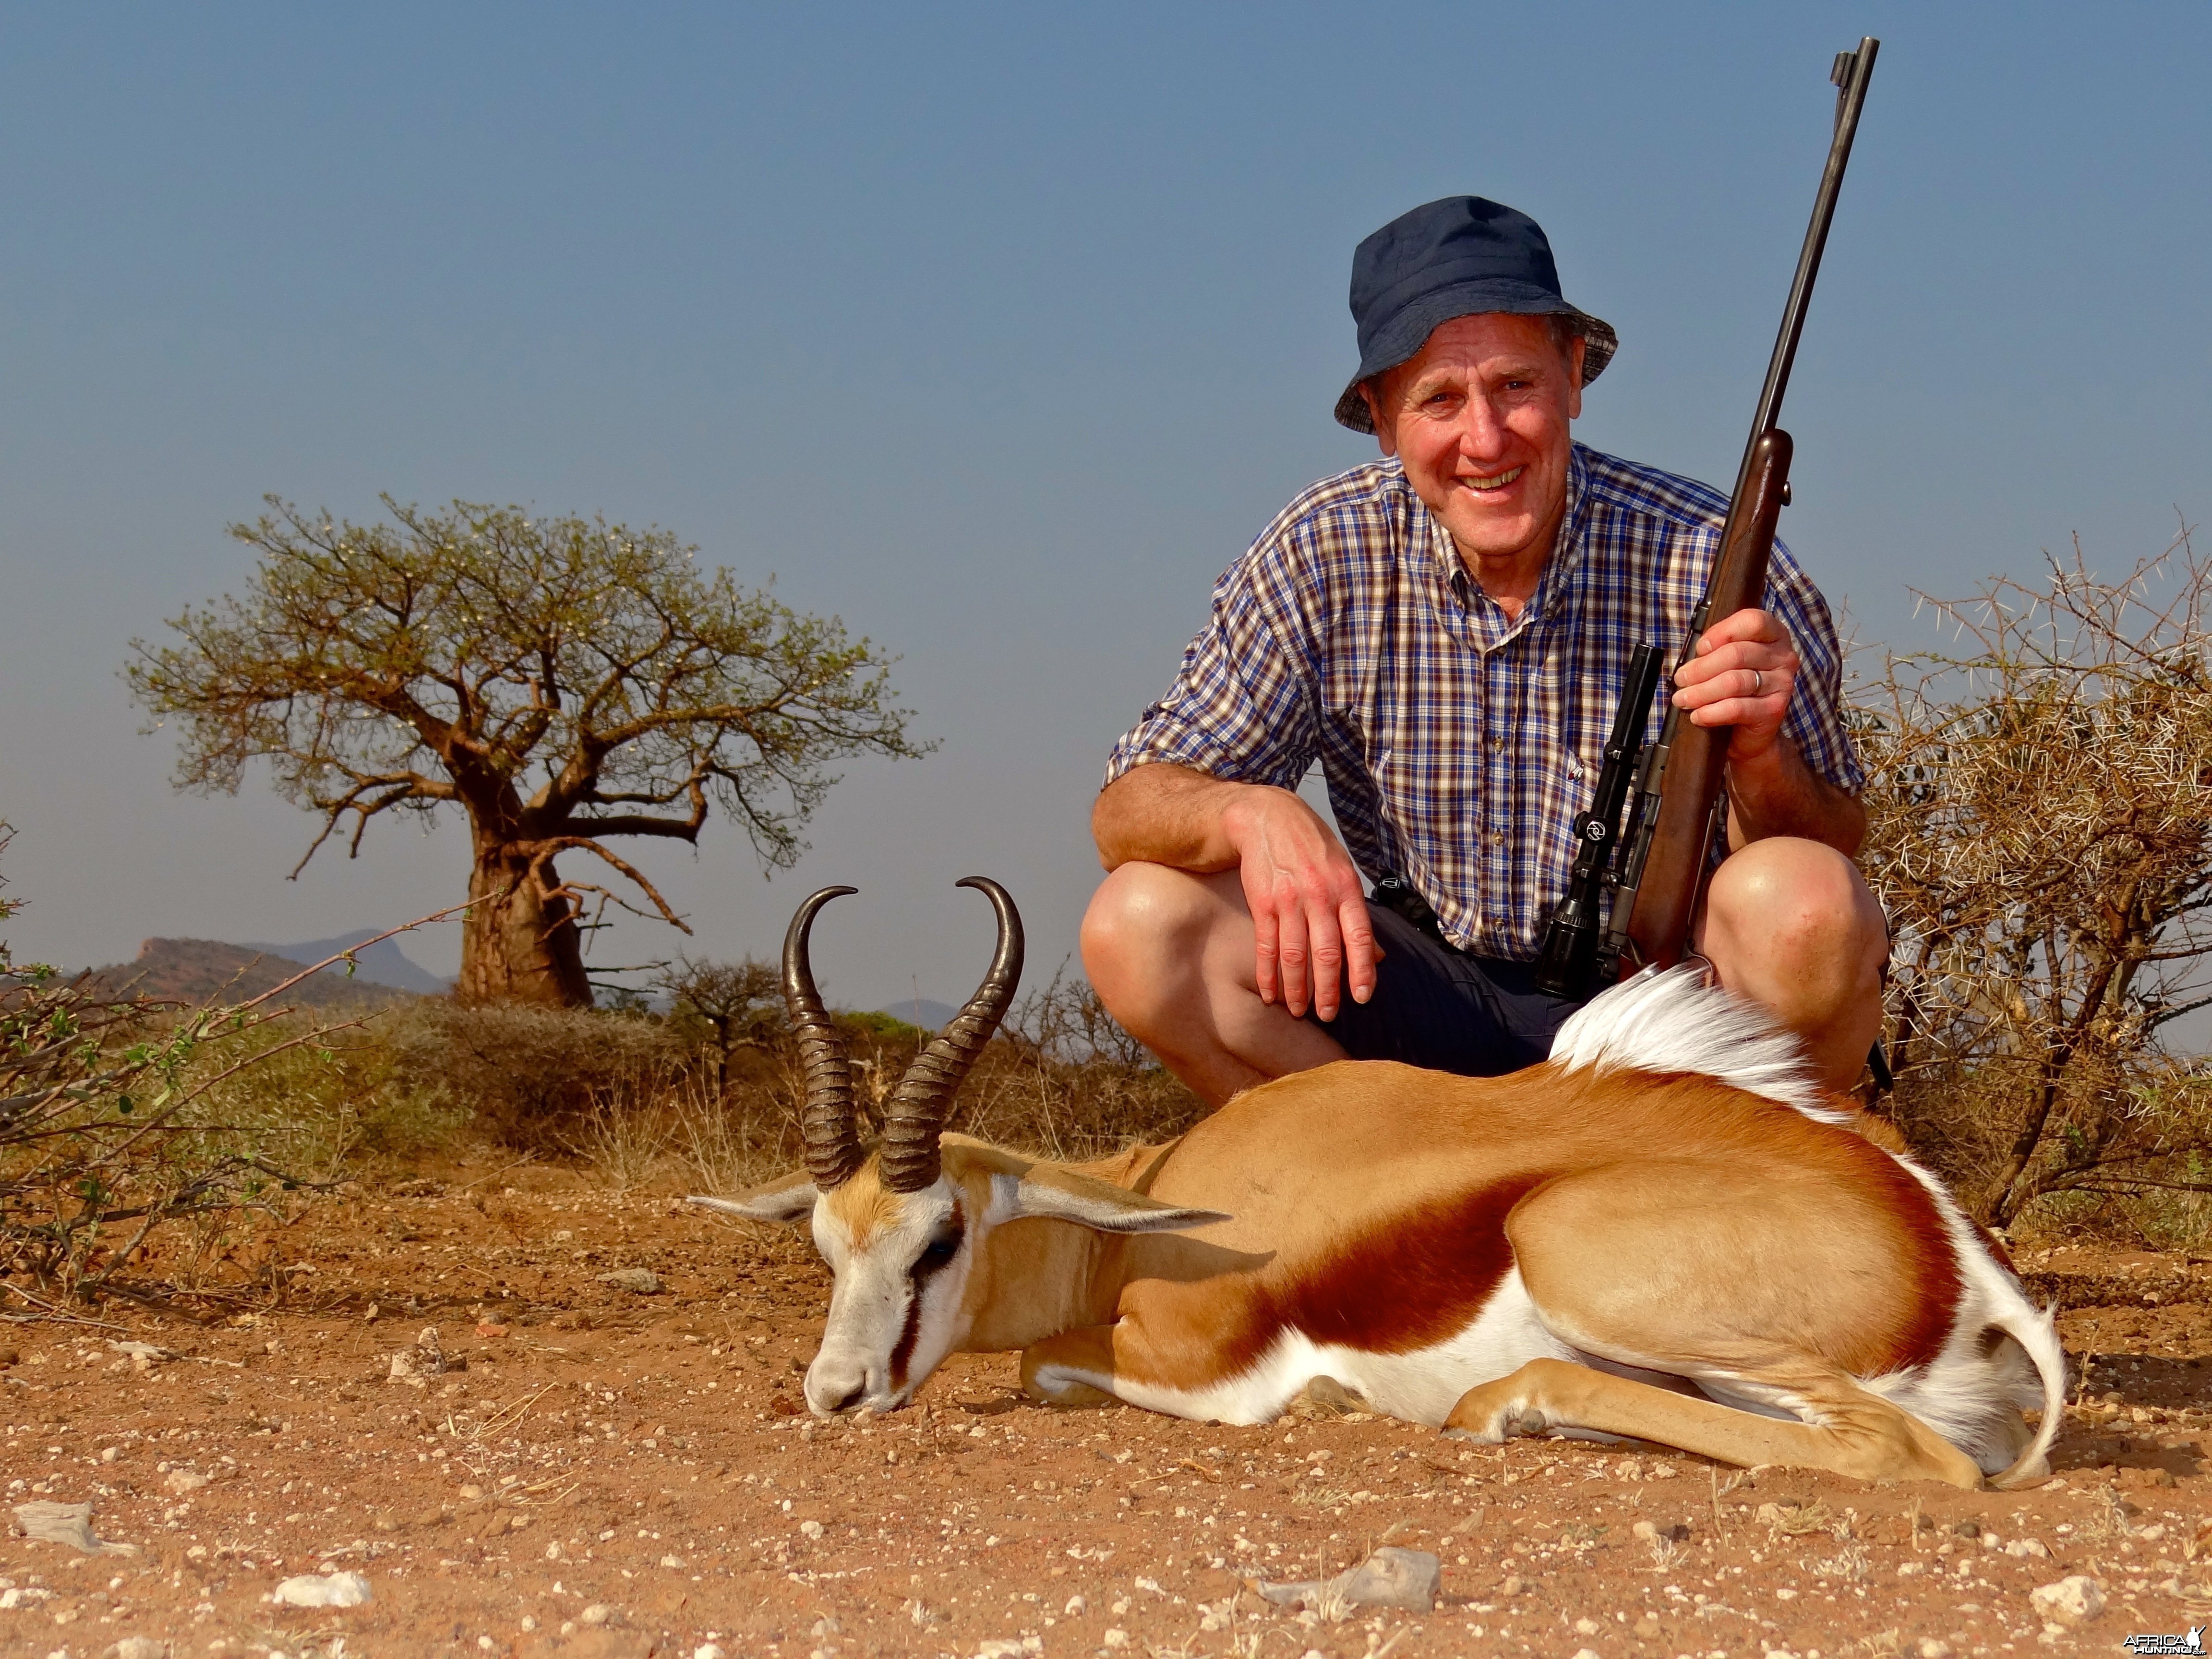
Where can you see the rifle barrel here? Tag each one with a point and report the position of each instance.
(1854, 69)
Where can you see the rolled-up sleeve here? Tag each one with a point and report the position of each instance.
(1815, 719)
(1240, 709)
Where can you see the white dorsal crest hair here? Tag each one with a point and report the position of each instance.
(1681, 1019)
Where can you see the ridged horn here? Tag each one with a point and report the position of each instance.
(828, 1122)
(916, 1115)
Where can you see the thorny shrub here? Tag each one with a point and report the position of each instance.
(2040, 833)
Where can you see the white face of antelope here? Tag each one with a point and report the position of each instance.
(903, 1262)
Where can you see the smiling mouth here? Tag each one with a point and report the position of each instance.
(1497, 483)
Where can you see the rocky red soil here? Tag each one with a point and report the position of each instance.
(623, 1470)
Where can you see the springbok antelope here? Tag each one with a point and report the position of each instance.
(1662, 1232)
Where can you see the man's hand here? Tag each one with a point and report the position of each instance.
(1309, 914)
(1313, 932)
(1741, 675)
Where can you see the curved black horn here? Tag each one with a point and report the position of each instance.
(827, 1120)
(915, 1116)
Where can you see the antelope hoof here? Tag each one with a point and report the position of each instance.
(1490, 1417)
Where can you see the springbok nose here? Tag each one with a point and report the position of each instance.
(834, 1386)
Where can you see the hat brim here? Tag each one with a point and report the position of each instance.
(1409, 330)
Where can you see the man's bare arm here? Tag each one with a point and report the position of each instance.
(1310, 919)
(1164, 814)
(1783, 796)
(1742, 675)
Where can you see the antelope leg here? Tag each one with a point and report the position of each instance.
(1861, 1435)
(1056, 1369)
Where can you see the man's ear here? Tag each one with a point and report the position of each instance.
(1370, 393)
(790, 1198)
(1578, 349)
(1099, 1205)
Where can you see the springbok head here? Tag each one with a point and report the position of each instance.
(906, 1224)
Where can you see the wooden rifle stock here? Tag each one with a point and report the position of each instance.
(1676, 862)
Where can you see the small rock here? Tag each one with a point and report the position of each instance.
(9, 1357)
(1076, 1604)
(2028, 1549)
(2072, 1601)
(706, 1650)
(143, 1356)
(1512, 1585)
(597, 1613)
(1934, 1648)
(811, 1528)
(1586, 1653)
(1391, 1577)
(181, 1481)
(471, 1494)
(66, 1523)
(643, 1280)
(312, 1589)
(675, 1562)
(1586, 1627)
(1117, 1639)
(427, 1358)
(138, 1647)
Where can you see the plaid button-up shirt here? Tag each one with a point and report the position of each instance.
(1458, 744)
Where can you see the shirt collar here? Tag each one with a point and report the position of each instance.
(1491, 629)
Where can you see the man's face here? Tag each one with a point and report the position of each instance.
(1480, 417)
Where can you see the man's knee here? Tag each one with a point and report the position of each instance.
(1800, 908)
(1145, 929)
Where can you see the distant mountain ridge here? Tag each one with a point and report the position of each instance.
(382, 964)
(198, 970)
(922, 1011)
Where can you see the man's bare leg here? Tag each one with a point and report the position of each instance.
(1788, 923)
(1171, 956)
(1792, 924)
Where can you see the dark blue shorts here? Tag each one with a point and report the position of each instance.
(1442, 1009)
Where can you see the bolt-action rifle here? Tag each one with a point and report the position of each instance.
(1655, 862)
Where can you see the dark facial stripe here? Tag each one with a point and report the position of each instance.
(902, 1350)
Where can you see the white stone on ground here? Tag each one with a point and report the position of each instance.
(315, 1590)
(2072, 1601)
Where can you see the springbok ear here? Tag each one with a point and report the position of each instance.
(1097, 1205)
(791, 1198)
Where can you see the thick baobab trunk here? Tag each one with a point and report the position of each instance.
(515, 945)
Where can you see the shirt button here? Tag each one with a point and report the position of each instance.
(1497, 838)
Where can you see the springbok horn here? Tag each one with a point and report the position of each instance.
(916, 1115)
(827, 1121)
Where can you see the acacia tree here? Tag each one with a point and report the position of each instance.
(563, 682)
(2039, 807)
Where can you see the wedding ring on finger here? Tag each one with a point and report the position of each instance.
(1758, 682)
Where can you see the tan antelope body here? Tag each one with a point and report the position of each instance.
(1659, 1233)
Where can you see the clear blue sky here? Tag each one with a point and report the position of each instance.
(998, 334)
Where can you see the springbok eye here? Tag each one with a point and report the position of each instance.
(937, 1254)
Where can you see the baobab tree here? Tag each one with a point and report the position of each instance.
(563, 682)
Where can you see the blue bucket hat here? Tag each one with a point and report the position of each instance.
(1456, 258)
